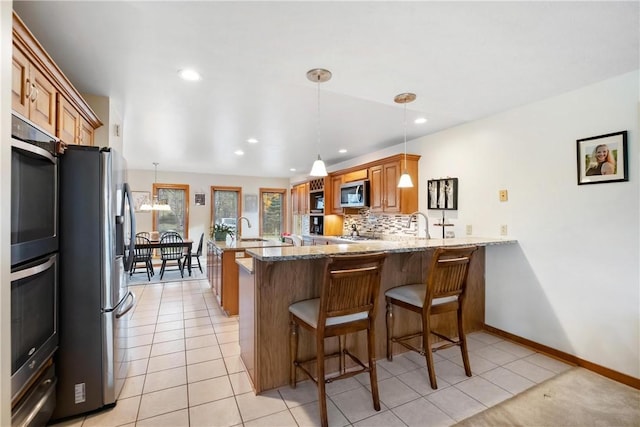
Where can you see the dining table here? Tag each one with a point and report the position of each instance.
(187, 244)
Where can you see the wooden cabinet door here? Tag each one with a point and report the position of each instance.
(305, 199)
(85, 132)
(391, 193)
(295, 206)
(68, 122)
(336, 183)
(42, 108)
(20, 83)
(375, 189)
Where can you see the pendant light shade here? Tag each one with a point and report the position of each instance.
(404, 98)
(155, 203)
(318, 168)
(318, 75)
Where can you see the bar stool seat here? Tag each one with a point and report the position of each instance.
(347, 304)
(443, 292)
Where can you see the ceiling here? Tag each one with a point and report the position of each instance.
(463, 60)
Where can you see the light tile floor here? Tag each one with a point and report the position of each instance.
(186, 371)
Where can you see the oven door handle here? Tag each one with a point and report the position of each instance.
(129, 307)
(33, 149)
(32, 271)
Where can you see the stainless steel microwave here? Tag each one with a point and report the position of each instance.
(354, 194)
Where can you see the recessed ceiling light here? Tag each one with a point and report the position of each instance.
(420, 120)
(342, 150)
(239, 153)
(252, 141)
(190, 75)
(292, 169)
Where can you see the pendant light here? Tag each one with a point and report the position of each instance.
(155, 205)
(405, 178)
(318, 75)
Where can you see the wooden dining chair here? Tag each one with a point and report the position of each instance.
(443, 292)
(198, 253)
(347, 304)
(142, 255)
(171, 253)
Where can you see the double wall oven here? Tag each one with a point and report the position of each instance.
(34, 271)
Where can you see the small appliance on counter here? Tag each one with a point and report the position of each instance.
(317, 225)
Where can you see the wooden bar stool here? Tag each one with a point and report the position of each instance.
(443, 292)
(347, 304)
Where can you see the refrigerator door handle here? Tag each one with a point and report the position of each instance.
(129, 307)
(129, 250)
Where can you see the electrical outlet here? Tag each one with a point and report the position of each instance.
(503, 195)
(503, 230)
(469, 230)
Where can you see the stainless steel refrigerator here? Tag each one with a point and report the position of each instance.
(96, 227)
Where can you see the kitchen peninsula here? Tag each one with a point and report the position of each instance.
(276, 277)
(223, 270)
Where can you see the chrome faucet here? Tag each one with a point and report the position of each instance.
(239, 221)
(426, 221)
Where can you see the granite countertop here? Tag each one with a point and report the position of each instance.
(367, 246)
(238, 245)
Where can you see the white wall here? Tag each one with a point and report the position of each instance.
(200, 216)
(573, 280)
(106, 135)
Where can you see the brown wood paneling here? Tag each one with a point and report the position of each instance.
(279, 284)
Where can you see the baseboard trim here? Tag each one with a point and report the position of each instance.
(569, 358)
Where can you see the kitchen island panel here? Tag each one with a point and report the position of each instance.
(278, 284)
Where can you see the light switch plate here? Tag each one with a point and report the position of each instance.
(504, 196)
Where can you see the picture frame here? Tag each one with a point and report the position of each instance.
(200, 199)
(251, 203)
(442, 194)
(140, 198)
(602, 158)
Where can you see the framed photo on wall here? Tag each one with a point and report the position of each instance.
(602, 158)
(442, 194)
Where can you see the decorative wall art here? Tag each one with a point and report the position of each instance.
(200, 199)
(140, 198)
(602, 158)
(251, 203)
(442, 193)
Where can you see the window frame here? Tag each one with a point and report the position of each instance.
(285, 216)
(213, 190)
(183, 187)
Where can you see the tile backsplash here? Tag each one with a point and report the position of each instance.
(379, 225)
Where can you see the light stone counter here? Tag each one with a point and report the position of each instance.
(236, 245)
(368, 246)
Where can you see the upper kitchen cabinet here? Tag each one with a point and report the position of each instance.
(32, 94)
(300, 199)
(72, 127)
(44, 95)
(385, 195)
(334, 184)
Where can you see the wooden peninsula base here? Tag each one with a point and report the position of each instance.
(270, 283)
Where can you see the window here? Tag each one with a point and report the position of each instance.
(177, 219)
(226, 206)
(272, 212)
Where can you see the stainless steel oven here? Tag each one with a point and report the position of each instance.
(34, 320)
(34, 191)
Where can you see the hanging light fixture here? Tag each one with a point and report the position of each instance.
(404, 98)
(155, 205)
(318, 75)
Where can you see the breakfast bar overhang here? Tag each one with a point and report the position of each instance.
(274, 278)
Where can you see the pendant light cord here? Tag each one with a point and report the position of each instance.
(405, 136)
(318, 116)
